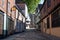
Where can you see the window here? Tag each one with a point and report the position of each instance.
(2, 2)
(48, 23)
(23, 11)
(56, 19)
(10, 24)
(8, 6)
(48, 3)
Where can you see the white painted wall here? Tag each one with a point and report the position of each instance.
(26, 13)
(20, 16)
(16, 13)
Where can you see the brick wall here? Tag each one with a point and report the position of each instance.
(53, 4)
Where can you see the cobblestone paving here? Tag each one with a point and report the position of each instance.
(29, 35)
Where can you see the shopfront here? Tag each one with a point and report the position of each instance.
(1, 22)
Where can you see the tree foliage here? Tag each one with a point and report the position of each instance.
(32, 4)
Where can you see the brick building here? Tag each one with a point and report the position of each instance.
(10, 16)
(6, 21)
(37, 17)
(22, 7)
(50, 23)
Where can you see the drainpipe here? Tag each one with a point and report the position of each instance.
(5, 20)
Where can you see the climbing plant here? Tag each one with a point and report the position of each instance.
(32, 4)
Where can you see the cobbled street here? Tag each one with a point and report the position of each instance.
(29, 35)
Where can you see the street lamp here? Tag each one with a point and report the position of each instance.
(13, 8)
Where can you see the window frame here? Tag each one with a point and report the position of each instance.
(55, 21)
(48, 3)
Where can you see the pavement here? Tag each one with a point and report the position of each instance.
(31, 35)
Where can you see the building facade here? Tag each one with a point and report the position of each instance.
(37, 17)
(32, 22)
(21, 19)
(50, 23)
(6, 18)
(12, 18)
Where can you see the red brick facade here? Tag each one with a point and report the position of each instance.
(47, 24)
(46, 10)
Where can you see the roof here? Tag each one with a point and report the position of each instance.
(19, 1)
(43, 4)
(19, 9)
(39, 6)
(21, 6)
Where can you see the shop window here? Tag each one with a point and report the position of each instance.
(56, 19)
(48, 3)
(10, 23)
(48, 23)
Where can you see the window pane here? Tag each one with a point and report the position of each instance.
(56, 19)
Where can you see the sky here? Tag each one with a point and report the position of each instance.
(41, 2)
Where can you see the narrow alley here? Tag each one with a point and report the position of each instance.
(30, 35)
(29, 19)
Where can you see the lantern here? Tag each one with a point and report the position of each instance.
(14, 8)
